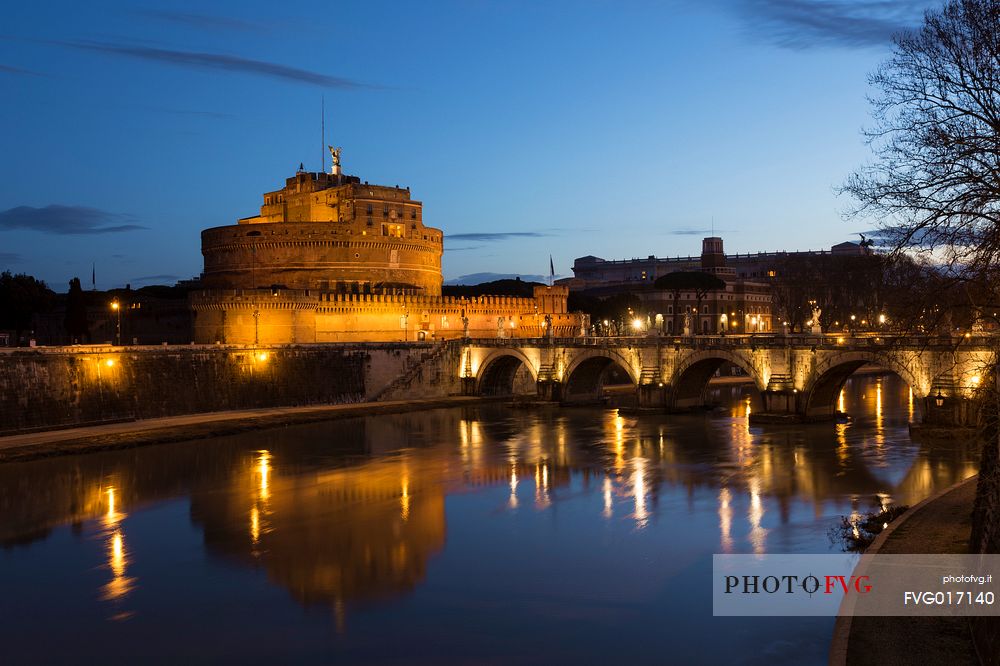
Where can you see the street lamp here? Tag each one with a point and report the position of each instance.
(118, 321)
(939, 399)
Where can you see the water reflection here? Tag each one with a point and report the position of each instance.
(350, 516)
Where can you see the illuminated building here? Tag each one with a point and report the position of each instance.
(333, 259)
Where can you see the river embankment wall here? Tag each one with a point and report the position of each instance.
(55, 387)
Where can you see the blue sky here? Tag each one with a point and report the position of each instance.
(619, 128)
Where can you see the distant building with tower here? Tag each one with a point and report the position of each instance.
(743, 305)
(596, 275)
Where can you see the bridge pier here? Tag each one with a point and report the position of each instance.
(550, 390)
(953, 412)
(780, 406)
(652, 395)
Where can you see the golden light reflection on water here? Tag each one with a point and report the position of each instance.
(264, 474)
(755, 514)
(909, 405)
(619, 434)
(260, 498)
(120, 584)
(542, 498)
(255, 525)
(879, 416)
(111, 517)
(843, 448)
(639, 491)
(841, 403)
(609, 504)
(513, 484)
(404, 500)
(117, 557)
(725, 520)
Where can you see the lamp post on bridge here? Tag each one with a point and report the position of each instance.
(116, 306)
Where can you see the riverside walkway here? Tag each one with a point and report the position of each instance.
(940, 524)
(195, 426)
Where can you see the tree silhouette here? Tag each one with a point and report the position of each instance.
(699, 282)
(21, 298)
(935, 182)
(75, 322)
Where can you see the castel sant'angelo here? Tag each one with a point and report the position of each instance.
(333, 259)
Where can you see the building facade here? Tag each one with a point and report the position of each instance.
(596, 275)
(333, 259)
(742, 306)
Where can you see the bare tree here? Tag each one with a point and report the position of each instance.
(935, 182)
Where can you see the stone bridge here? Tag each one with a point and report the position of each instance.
(799, 376)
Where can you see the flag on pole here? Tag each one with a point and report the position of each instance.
(93, 276)
(552, 271)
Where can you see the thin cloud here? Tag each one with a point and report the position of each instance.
(65, 220)
(688, 231)
(499, 236)
(462, 249)
(7, 69)
(218, 61)
(804, 24)
(202, 21)
(155, 278)
(10, 258)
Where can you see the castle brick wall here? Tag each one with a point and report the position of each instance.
(304, 316)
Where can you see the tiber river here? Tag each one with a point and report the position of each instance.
(470, 535)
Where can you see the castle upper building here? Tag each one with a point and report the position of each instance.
(328, 232)
(334, 259)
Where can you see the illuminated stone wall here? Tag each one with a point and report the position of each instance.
(55, 386)
(284, 316)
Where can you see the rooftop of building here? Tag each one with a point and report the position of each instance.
(847, 247)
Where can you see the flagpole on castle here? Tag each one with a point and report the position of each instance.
(552, 271)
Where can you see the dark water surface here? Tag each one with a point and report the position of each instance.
(478, 534)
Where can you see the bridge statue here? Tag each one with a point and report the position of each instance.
(687, 323)
(816, 314)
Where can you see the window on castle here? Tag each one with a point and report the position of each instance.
(413, 214)
(394, 230)
(385, 210)
(371, 209)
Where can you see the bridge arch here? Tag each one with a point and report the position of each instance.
(498, 370)
(691, 376)
(830, 375)
(583, 377)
